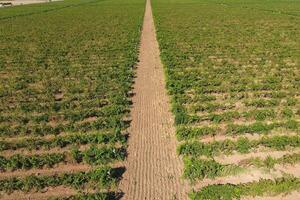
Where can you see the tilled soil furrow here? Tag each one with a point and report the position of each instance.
(59, 191)
(255, 136)
(61, 168)
(250, 176)
(153, 168)
(237, 158)
(66, 150)
(25, 152)
(289, 196)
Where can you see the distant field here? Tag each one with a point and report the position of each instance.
(39, 8)
(233, 71)
(25, 2)
(65, 72)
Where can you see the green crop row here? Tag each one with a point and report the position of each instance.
(198, 169)
(66, 140)
(27, 162)
(259, 127)
(289, 96)
(73, 115)
(92, 156)
(242, 145)
(270, 162)
(96, 196)
(45, 129)
(99, 178)
(98, 156)
(260, 188)
(229, 116)
(185, 133)
(262, 103)
(211, 107)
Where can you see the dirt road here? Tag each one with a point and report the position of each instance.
(153, 169)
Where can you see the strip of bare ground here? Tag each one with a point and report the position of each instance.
(289, 196)
(153, 168)
(24, 2)
(59, 191)
(61, 168)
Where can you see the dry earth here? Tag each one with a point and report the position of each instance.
(153, 168)
(23, 2)
(290, 196)
(50, 192)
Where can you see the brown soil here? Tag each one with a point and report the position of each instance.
(27, 152)
(49, 192)
(26, 137)
(250, 176)
(289, 169)
(237, 158)
(23, 2)
(61, 168)
(153, 169)
(290, 196)
(254, 136)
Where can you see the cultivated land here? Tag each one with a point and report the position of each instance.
(233, 73)
(67, 78)
(24, 2)
(66, 69)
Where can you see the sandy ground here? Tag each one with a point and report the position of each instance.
(23, 2)
(153, 168)
(290, 196)
(61, 168)
(46, 194)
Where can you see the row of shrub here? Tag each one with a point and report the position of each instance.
(198, 169)
(96, 137)
(242, 145)
(99, 178)
(186, 132)
(92, 156)
(46, 129)
(95, 196)
(73, 115)
(260, 188)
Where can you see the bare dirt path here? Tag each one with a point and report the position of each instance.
(153, 169)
